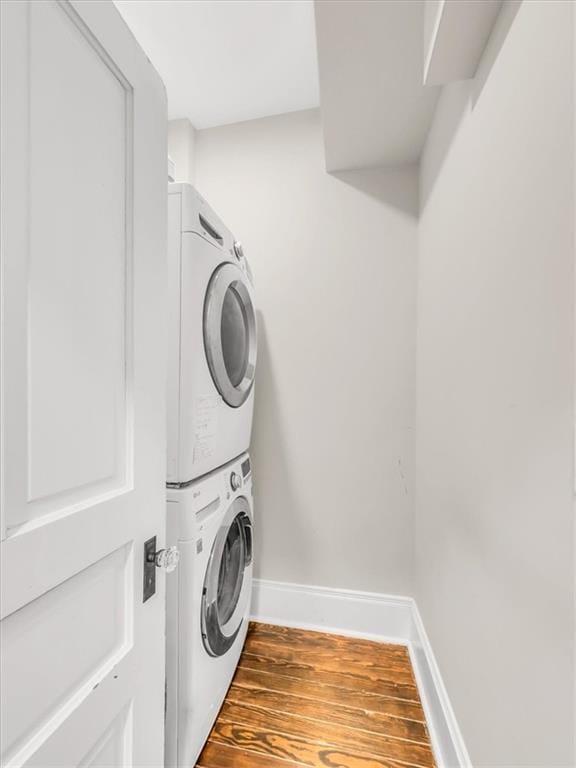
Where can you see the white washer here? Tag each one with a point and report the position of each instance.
(211, 338)
(208, 602)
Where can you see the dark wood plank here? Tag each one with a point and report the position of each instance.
(215, 755)
(326, 734)
(343, 677)
(304, 699)
(333, 713)
(306, 752)
(308, 639)
(386, 705)
(336, 661)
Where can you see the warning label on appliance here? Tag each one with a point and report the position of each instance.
(205, 426)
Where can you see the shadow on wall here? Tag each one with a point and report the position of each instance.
(272, 476)
(457, 99)
(394, 188)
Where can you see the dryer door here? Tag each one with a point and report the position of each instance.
(226, 592)
(230, 334)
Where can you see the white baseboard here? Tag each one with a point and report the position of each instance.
(363, 614)
(386, 618)
(449, 747)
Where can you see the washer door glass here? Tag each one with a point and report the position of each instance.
(225, 594)
(231, 573)
(230, 334)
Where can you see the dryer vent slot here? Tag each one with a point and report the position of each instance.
(210, 229)
(206, 511)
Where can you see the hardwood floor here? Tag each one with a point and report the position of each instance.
(304, 698)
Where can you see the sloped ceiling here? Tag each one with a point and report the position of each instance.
(375, 108)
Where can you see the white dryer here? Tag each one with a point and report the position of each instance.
(212, 340)
(208, 602)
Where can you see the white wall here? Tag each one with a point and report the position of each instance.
(182, 149)
(334, 263)
(495, 391)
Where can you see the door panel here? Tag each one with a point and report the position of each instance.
(113, 747)
(42, 666)
(79, 255)
(83, 420)
(95, 734)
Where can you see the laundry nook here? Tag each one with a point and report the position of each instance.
(288, 384)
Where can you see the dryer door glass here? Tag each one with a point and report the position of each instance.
(226, 592)
(235, 336)
(230, 334)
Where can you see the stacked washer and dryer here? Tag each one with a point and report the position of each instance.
(212, 359)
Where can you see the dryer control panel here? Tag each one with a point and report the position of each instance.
(235, 481)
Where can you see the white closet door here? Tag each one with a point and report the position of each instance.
(83, 262)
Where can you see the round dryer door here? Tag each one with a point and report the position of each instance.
(226, 589)
(230, 334)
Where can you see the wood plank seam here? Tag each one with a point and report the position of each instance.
(327, 722)
(337, 687)
(327, 743)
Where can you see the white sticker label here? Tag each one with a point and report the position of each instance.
(205, 426)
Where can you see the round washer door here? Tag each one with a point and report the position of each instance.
(226, 587)
(230, 334)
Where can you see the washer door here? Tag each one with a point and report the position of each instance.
(230, 334)
(226, 589)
